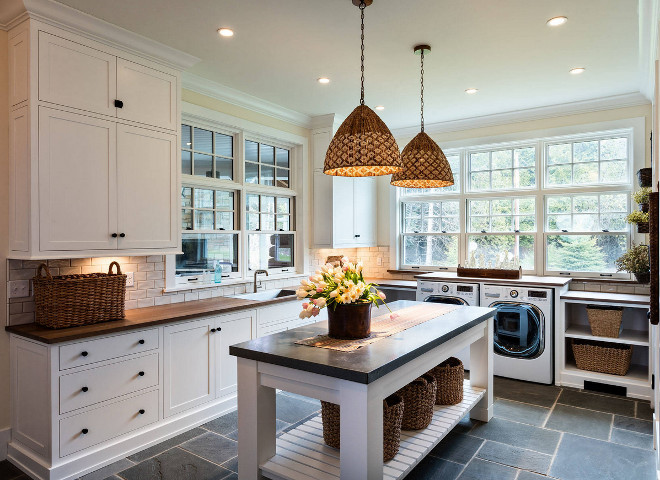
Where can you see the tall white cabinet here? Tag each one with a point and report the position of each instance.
(94, 136)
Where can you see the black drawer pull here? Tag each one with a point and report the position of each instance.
(141, 342)
(219, 329)
(213, 330)
(84, 354)
(122, 235)
(119, 104)
(142, 411)
(84, 431)
(114, 235)
(357, 236)
(84, 389)
(141, 374)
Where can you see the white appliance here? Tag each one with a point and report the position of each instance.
(523, 336)
(453, 294)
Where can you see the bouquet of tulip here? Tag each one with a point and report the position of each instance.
(331, 286)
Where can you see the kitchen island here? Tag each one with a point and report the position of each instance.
(358, 381)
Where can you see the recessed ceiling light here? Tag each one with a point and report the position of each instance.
(471, 91)
(380, 107)
(226, 32)
(556, 21)
(323, 80)
(576, 70)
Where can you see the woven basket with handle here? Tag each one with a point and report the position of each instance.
(605, 321)
(73, 300)
(418, 401)
(449, 375)
(602, 357)
(392, 416)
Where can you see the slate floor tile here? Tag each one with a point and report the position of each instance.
(580, 458)
(644, 411)
(302, 397)
(525, 475)
(520, 412)
(526, 392)
(213, 447)
(231, 464)
(482, 470)
(518, 435)
(8, 471)
(633, 424)
(601, 403)
(225, 424)
(175, 464)
(580, 421)
(457, 447)
(108, 470)
(432, 468)
(515, 457)
(632, 439)
(290, 410)
(166, 445)
(279, 426)
(113, 477)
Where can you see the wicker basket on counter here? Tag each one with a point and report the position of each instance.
(594, 356)
(605, 321)
(392, 417)
(449, 376)
(72, 300)
(418, 401)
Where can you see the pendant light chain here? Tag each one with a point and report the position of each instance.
(422, 89)
(362, 7)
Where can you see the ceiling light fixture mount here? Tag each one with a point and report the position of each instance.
(225, 32)
(363, 146)
(576, 70)
(556, 21)
(323, 80)
(471, 91)
(424, 163)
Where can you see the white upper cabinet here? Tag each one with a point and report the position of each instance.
(147, 95)
(364, 211)
(73, 75)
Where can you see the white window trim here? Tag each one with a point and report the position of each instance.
(633, 127)
(242, 129)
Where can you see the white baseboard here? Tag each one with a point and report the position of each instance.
(5, 436)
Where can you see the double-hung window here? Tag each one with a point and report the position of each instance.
(271, 237)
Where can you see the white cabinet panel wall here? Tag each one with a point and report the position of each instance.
(230, 330)
(19, 188)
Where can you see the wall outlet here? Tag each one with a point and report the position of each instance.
(19, 288)
(129, 279)
(379, 261)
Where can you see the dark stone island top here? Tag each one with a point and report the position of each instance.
(370, 362)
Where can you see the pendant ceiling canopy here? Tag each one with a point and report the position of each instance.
(363, 146)
(424, 163)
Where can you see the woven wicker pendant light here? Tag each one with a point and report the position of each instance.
(424, 163)
(363, 145)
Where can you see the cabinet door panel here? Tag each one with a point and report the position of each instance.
(364, 198)
(77, 182)
(76, 76)
(19, 185)
(146, 170)
(149, 95)
(233, 329)
(343, 211)
(189, 367)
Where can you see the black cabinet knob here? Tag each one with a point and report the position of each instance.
(142, 411)
(84, 431)
(141, 374)
(357, 236)
(84, 354)
(84, 389)
(114, 235)
(122, 235)
(119, 104)
(213, 330)
(141, 342)
(219, 329)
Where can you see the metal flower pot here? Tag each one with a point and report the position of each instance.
(349, 320)
(644, 277)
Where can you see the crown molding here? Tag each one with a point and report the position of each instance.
(230, 95)
(528, 115)
(63, 16)
(15, 21)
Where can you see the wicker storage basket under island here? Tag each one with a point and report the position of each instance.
(450, 376)
(392, 416)
(612, 358)
(418, 401)
(72, 300)
(605, 321)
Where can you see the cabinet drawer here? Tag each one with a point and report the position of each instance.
(271, 329)
(92, 351)
(82, 389)
(283, 312)
(108, 422)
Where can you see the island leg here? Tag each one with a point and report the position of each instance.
(361, 432)
(481, 373)
(256, 421)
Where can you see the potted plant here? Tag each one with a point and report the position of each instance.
(645, 177)
(641, 198)
(641, 219)
(347, 296)
(636, 261)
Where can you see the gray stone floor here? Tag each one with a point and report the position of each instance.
(538, 432)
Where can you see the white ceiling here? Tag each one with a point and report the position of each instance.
(503, 48)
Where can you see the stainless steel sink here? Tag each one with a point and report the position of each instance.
(266, 294)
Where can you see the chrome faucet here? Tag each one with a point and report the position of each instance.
(257, 272)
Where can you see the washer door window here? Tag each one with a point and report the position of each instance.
(447, 300)
(518, 330)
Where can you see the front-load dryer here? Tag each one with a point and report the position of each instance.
(523, 331)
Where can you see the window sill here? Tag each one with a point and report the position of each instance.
(229, 282)
(613, 281)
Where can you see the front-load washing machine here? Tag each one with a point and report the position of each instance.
(523, 331)
(453, 294)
